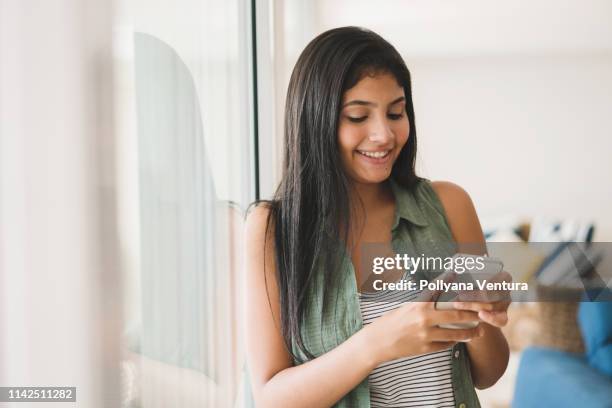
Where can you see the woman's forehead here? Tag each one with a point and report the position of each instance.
(381, 86)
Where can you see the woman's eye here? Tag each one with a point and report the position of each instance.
(395, 116)
(357, 119)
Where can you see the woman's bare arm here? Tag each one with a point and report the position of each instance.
(489, 354)
(276, 382)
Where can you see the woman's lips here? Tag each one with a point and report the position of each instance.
(375, 157)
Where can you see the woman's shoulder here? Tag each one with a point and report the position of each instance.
(459, 210)
(258, 211)
(442, 195)
(259, 244)
(258, 219)
(449, 193)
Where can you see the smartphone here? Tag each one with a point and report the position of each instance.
(491, 266)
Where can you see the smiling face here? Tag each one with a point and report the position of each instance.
(373, 128)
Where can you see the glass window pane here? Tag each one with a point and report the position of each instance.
(184, 77)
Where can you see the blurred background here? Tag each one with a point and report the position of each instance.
(134, 134)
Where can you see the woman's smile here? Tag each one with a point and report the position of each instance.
(375, 155)
(376, 158)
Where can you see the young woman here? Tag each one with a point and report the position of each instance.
(348, 180)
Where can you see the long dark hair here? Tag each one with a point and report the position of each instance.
(310, 211)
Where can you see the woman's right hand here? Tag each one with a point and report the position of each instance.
(412, 329)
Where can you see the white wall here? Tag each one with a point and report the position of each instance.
(527, 136)
(477, 27)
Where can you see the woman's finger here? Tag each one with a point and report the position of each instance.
(502, 276)
(500, 306)
(497, 319)
(440, 334)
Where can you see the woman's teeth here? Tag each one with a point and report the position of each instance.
(375, 155)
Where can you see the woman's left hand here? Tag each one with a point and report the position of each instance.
(491, 305)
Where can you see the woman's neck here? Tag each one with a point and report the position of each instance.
(372, 195)
(369, 203)
(367, 200)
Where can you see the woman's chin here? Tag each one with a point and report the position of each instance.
(373, 178)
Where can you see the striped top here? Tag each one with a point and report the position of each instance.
(417, 381)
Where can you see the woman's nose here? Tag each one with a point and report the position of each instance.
(380, 131)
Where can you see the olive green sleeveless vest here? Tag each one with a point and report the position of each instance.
(420, 227)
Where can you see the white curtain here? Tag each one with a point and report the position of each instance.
(59, 295)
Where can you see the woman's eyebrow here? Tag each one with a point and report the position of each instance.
(367, 103)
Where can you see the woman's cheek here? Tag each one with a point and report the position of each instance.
(405, 134)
